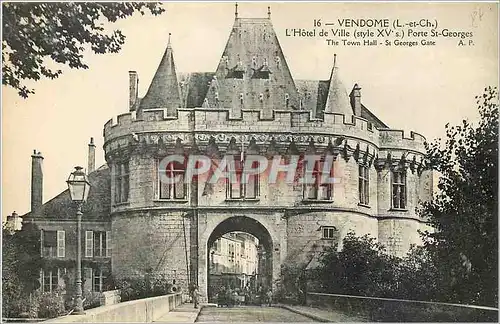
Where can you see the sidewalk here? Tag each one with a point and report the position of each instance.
(185, 313)
(322, 315)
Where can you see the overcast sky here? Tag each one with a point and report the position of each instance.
(418, 88)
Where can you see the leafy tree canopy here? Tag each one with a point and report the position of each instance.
(465, 212)
(37, 35)
(21, 263)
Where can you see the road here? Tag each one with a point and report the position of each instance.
(249, 314)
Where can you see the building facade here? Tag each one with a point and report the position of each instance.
(136, 224)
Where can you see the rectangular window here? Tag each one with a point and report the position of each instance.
(364, 193)
(100, 244)
(89, 244)
(61, 244)
(399, 189)
(121, 182)
(177, 189)
(241, 185)
(49, 244)
(329, 232)
(98, 280)
(50, 280)
(319, 188)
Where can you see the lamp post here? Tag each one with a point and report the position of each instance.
(79, 187)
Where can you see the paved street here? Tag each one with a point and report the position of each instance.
(249, 314)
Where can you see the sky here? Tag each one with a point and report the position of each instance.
(411, 88)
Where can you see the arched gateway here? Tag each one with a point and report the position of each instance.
(253, 224)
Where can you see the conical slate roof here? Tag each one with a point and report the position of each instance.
(164, 90)
(338, 100)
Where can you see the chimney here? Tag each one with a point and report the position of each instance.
(133, 89)
(36, 182)
(356, 100)
(91, 157)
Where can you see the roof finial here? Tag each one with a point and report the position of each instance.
(168, 43)
(236, 10)
(269, 12)
(334, 60)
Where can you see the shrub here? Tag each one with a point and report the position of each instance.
(51, 304)
(137, 288)
(92, 299)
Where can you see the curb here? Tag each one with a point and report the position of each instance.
(306, 314)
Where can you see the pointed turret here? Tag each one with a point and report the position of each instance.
(338, 100)
(164, 89)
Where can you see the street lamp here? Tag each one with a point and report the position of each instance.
(79, 187)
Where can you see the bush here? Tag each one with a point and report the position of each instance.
(137, 288)
(92, 299)
(51, 304)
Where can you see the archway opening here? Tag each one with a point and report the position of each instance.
(239, 269)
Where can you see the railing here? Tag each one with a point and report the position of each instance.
(378, 309)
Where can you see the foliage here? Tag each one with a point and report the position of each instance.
(290, 289)
(361, 268)
(464, 213)
(51, 304)
(38, 35)
(137, 288)
(21, 263)
(92, 299)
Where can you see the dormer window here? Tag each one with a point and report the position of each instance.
(261, 97)
(254, 61)
(241, 98)
(277, 60)
(329, 232)
(287, 99)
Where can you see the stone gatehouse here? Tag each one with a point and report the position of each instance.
(134, 224)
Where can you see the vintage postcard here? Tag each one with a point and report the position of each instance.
(250, 162)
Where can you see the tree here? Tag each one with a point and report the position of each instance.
(21, 263)
(361, 268)
(37, 35)
(465, 212)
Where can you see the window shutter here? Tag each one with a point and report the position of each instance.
(41, 243)
(89, 243)
(108, 243)
(61, 244)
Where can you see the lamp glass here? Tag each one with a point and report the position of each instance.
(78, 185)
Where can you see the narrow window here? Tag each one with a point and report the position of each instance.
(121, 182)
(100, 244)
(61, 244)
(399, 189)
(364, 193)
(98, 280)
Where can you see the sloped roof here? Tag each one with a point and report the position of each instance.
(338, 100)
(163, 91)
(97, 206)
(254, 49)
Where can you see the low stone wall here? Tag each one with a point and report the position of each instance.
(376, 309)
(141, 310)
